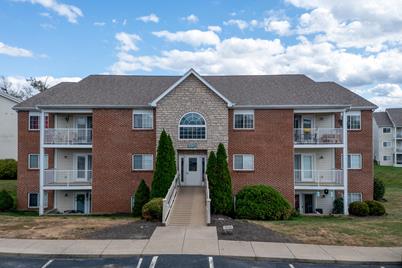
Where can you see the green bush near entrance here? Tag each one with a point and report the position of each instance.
(375, 208)
(379, 189)
(141, 198)
(358, 208)
(262, 202)
(152, 211)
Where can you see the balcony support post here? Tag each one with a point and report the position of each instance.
(41, 162)
(345, 163)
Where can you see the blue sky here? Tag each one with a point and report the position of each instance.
(355, 43)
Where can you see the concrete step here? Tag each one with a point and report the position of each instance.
(188, 208)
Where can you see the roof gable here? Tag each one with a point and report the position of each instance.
(9, 97)
(178, 82)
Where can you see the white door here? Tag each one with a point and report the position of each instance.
(193, 168)
(83, 167)
(307, 167)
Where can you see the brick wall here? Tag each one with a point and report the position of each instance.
(360, 142)
(114, 143)
(271, 143)
(28, 180)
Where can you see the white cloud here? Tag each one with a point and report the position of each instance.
(47, 26)
(72, 13)
(193, 37)
(45, 14)
(127, 41)
(14, 51)
(191, 18)
(368, 24)
(99, 23)
(386, 95)
(281, 27)
(241, 24)
(215, 28)
(149, 18)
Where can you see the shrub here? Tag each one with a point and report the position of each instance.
(141, 198)
(221, 199)
(165, 167)
(375, 208)
(379, 189)
(8, 169)
(152, 211)
(358, 208)
(6, 201)
(338, 206)
(262, 202)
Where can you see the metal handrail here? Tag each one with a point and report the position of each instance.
(333, 177)
(78, 136)
(67, 177)
(207, 200)
(318, 135)
(169, 198)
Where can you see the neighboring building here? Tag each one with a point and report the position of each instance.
(97, 138)
(388, 137)
(8, 129)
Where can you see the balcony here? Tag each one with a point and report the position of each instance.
(319, 178)
(318, 136)
(68, 179)
(68, 137)
(398, 149)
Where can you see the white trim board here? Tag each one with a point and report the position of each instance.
(199, 77)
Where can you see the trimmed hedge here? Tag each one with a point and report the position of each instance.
(338, 206)
(358, 208)
(8, 169)
(379, 189)
(6, 201)
(375, 208)
(141, 198)
(152, 211)
(262, 202)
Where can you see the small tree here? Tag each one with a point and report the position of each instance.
(6, 201)
(141, 198)
(222, 201)
(211, 173)
(379, 189)
(165, 167)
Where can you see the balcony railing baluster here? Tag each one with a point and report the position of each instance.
(68, 136)
(318, 135)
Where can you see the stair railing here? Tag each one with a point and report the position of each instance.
(169, 199)
(207, 200)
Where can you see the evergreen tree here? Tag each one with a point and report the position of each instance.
(141, 198)
(223, 203)
(165, 167)
(211, 173)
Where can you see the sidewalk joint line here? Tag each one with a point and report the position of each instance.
(255, 254)
(291, 252)
(103, 250)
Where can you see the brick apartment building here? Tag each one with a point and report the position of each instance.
(97, 138)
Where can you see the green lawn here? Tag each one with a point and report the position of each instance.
(341, 230)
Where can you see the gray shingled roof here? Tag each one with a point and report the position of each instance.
(395, 114)
(247, 90)
(382, 119)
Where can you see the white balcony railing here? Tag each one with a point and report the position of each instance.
(398, 149)
(399, 135)
(68, 136)
(332, 177)
(169, 199)
(318, 136)
(207, 200)
(56, 177)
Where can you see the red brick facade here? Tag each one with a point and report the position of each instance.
(271, 143)
(28, 143)
(114, 143)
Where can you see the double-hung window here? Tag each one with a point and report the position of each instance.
(354, 120)
(33, 161)
(387, 158)
(387, 144)
(386, 130)
(354, 161)
(243, 162)
(243, 119)
(143, 119)
(354, 197)
(34, 121)
(143, 162)
(33, 200)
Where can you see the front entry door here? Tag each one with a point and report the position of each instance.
(308, 203)
(193, 168)
(80, 203)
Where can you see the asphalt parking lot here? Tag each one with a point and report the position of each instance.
(167, 261)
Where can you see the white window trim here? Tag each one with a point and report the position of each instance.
(29, 161)
(234, 168)
(151, 112)
(206, 129)
(360, 164)
(243, 112)
(350, 195)
(384, 142)
(142, 169)
(383, 157)
(354, 113)
(31, 114)
(45, 200)
(390, 130)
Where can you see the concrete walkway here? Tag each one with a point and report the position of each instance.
(199, 240)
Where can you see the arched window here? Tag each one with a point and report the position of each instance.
(192, 127)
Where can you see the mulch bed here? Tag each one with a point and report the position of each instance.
(140, 229)
(244, 230)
